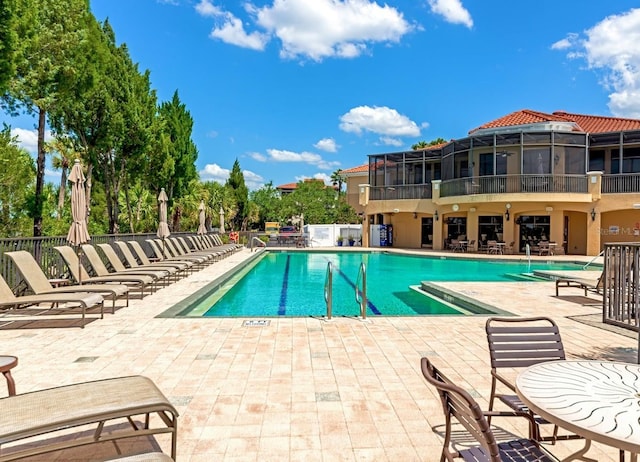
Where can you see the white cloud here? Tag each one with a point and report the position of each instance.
(232, 32)
(330, 28)
(567, 42)
(279, 155)
(389, 141)
(206, 8)
(51, 174)
(326, 144)
(452, 11)
(315, 29)
(213, 172)
(381, 120)
(610, 47)
(230, 28)
(258, 156)
(252, 180)
(28, 139)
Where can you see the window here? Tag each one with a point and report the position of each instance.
(537, 161)
(574, 161)
(631, 160)
(596, 160)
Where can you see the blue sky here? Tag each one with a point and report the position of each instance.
(296, 89)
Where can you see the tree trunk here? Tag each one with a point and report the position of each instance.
(63, 186)
(37, 213)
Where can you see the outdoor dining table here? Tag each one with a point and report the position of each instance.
(598, 400)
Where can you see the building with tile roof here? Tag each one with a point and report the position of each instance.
(524, 178)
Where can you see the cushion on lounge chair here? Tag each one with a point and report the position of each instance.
(99, 402)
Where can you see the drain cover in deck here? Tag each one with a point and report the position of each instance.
(256, 323)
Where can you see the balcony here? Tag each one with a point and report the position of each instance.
(414, 191)
(623, 183)
(513, 184)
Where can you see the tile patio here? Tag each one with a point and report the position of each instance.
(299, 388)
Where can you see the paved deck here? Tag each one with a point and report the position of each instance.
(299, 388)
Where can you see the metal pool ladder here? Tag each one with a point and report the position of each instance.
(328, 289)
(361, 295)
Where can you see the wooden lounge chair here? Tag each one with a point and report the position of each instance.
(110, 401)
(38, 282)
(516, 343)
(593, 285)
(458, 404)
(80, 274)
(82, 300)
(119, 268)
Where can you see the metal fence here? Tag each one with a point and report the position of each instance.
(624, 183)
(42, 248)
(620, 286)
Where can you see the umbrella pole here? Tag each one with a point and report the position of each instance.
(79, 255)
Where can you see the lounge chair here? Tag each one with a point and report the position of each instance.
(593, 285)
(166, 256)
(459, 405)
(142, 256)
(82, 300)
(39, 284)
(174, 270)
(214, 254)
(175, 253)
(118, 266)
(110, 401)
(80, 274)
(516, 343)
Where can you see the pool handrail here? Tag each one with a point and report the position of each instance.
(361, 295)
(328, 289)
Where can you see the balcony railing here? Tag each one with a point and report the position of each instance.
(510, 184)
(624, 183)
(414, 191)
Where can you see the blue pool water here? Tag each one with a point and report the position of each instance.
(292, 284)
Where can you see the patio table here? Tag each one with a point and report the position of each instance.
(599, 400)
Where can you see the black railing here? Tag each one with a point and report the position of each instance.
(623, 183)
(620, 289)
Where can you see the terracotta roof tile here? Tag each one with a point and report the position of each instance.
(359, 169)
(601, 124)
(584, 122)
(287, 186)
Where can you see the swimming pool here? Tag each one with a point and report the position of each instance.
(292, 284)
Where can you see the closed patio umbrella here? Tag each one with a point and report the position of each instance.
(201, 228)
(78, 232)
(221, 231)
(163, 228)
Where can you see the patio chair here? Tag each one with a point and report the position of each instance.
(493, 247)
(459, 405)
(104, 404)
(101, 269)
(178, 252)
(142, 256)
(118, 267)
(163, 255)
(593, 285)
(131, 260)
(79, 272)
(39, 284)
(82, 300)
(471, 246)
(544, 248)
(516, 343)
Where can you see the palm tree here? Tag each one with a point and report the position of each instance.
(419, 145)
(337, 179)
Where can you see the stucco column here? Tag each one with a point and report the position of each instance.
(593, 232)
(365, 230)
